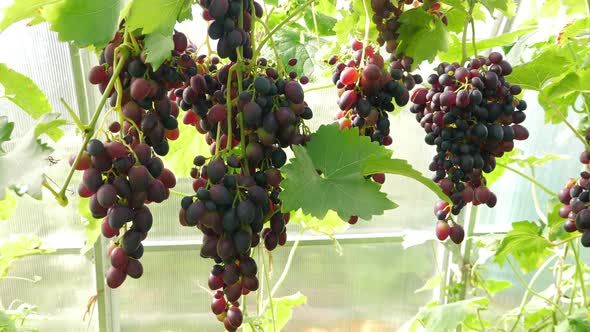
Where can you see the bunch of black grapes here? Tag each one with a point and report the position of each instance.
(366, 93)
(576, 196)
(237, 189)
(146, 105)
(226, 27)
(472, 115)
(120, 179)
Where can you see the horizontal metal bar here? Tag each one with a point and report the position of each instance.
(306, 240)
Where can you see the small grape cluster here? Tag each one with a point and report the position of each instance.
(145, 105)
(472, 116)
(226, 27)
(366, 92)
(120, 179)
(576, 197)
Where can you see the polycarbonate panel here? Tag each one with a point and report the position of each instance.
(370, 285)
(36, 53)
(66, 285)
(515, 200)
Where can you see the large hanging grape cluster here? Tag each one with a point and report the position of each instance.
(248, 117)
(231, 25)
(472, 116)
(576, 196)
(123, 174)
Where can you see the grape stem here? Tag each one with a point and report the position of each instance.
(564, 119)
(580, 273)
(73, 115)
(472, 4)
(530, 179)
(319, 87)
(286, 20)
(366, 36)
(468, 19)
(60, 200)
(315, 24)
(89, 130)
(529, 289)
(280, 66)
(228, 105)
(178, 193)
(272, 310)
(285, 272)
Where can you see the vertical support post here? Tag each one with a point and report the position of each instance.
(86, 101)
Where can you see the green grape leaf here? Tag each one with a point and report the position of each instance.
(421, 35)
(431, 283)
(455, 49)
(158, 48)
(92, 226)
(277, 317)
(291, 46)
(22, 91)
(338, 155)
(401, 167)
(6, 322)
(574, 6)
(534, 74)
(84, 23)
(7, 205)
(507, 7)
(329, 225)
(22, 10)
(155, 15)
(456, 19)
(184, 149)
(5, 131)
(443, 318)
(557, 108)
(515, 157)
(579, 321)
(22, 168)
(525, 243)
(495, 286)
(324, 22)
(352, 24)
(578, 81)
(19, 246)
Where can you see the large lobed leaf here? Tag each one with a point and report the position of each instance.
(341, 187)
(22, 91)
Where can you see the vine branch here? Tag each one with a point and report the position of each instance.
(530, 179)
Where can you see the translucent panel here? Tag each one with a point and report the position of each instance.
(369, 284)
(36, 52)
(65, 287)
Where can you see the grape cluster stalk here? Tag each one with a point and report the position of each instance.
(472, 115)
